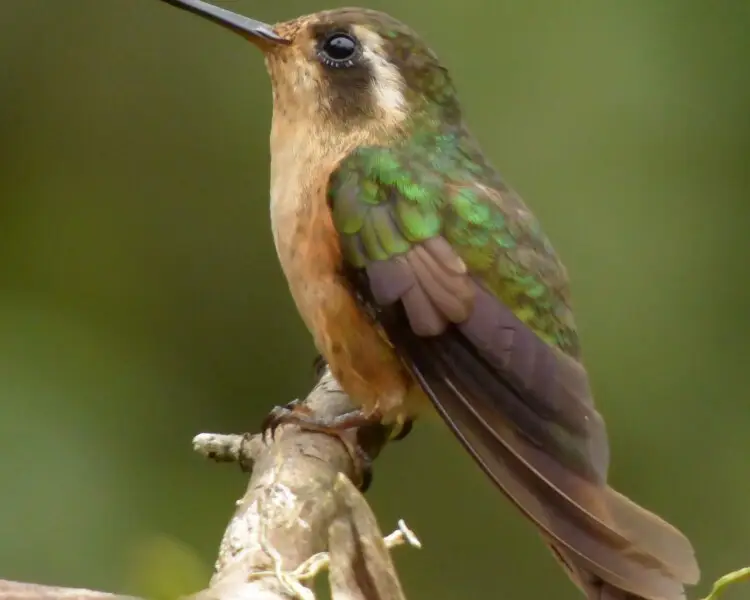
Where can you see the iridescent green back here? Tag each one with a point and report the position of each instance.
(386, 199)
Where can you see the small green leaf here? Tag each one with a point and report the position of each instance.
(722, 583)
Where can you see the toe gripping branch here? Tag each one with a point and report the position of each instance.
(363, 434)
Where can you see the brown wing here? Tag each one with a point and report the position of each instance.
(480, 374)
(519, 405)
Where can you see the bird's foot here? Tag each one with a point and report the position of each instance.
(400, 431)
(369, 425)
(295, 413)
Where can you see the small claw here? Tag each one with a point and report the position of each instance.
(405, 430)
(278, 416)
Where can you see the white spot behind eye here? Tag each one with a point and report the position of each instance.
(389, 84)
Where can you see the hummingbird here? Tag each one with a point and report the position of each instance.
(425, 281)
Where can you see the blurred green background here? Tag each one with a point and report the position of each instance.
(141, 302)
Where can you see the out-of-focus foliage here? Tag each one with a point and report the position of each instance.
(163, 568)
(141, 302)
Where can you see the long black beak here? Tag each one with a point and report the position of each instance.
(246, 27)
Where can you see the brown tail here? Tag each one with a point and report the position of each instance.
(590, 584)
(524, 411)
(612, 548)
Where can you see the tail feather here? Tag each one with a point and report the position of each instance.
(594, 587)
(611, 548)
(654, 536)
(525, 413)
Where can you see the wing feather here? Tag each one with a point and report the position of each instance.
(471, 295)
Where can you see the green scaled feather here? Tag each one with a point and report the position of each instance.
(385, 200)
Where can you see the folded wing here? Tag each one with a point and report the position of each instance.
(471, 295)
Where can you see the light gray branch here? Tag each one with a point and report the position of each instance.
(299, 514)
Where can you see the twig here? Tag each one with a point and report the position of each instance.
(19, 590)
(300, 498)
(300, 514)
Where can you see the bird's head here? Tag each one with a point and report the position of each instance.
(346, 74)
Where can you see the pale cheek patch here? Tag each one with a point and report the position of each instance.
(388, 85)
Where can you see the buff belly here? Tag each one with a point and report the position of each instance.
(360, 357)
(358, 353)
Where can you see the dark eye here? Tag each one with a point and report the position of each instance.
(339, 50)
